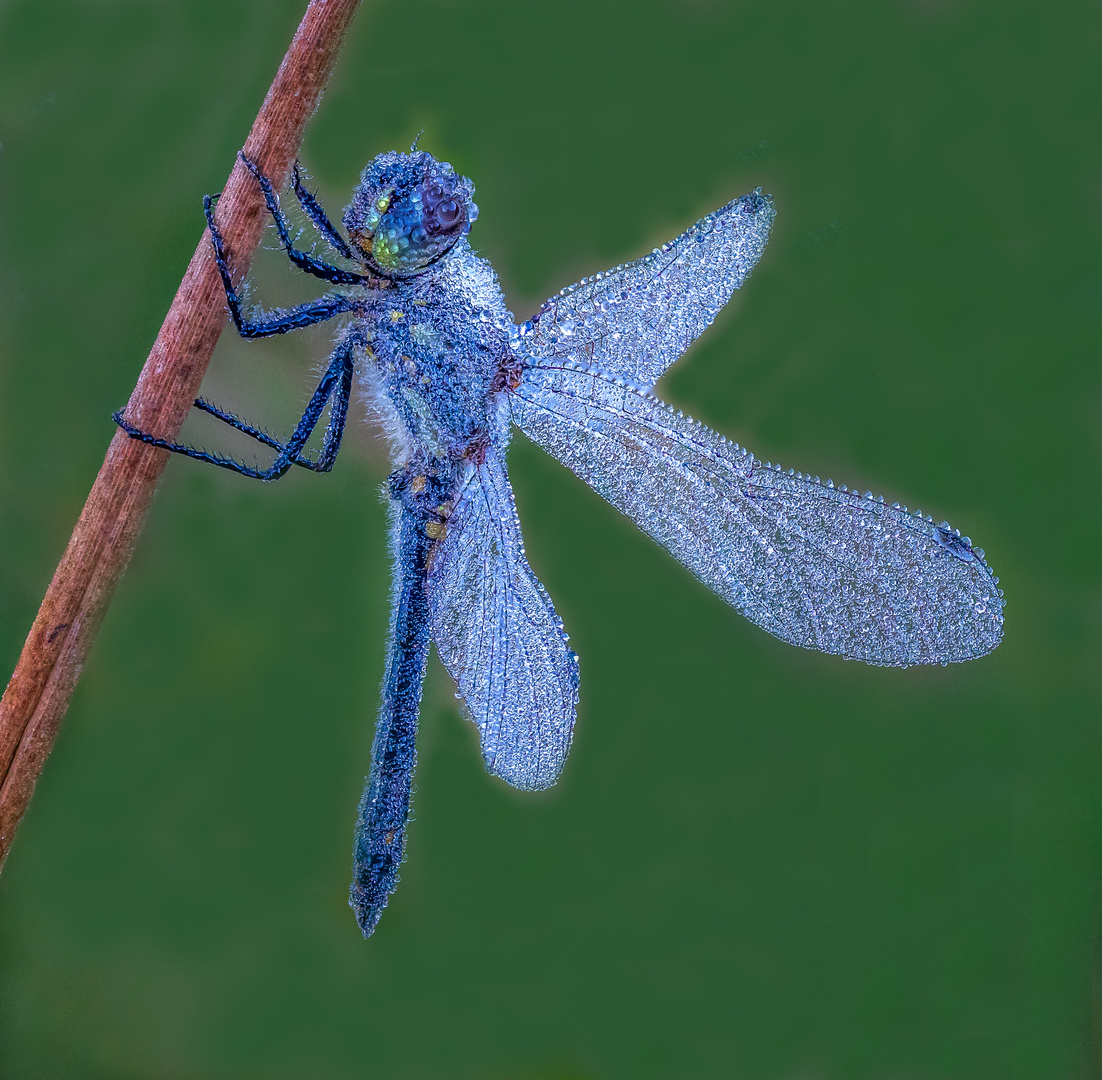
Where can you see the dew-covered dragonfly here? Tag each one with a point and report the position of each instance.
(445, 369)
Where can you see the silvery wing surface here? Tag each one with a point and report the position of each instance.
(499, 636)
(815, 565)
(634, 320)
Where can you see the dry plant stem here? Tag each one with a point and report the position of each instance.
(103, 540)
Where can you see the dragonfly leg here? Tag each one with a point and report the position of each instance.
(317, 215)
(303, 260)
(336, 384)
(279, 322)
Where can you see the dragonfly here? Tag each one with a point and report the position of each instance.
(444, 368)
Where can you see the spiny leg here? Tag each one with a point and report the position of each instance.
(334, 430)
(335, 383)
(317, 215)
(295, 318)
(304, 261)
(338, 414)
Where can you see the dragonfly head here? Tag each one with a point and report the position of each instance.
(407, 212)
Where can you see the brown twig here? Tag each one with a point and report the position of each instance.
(103, 540)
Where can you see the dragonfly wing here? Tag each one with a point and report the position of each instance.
(634, 320)
(499, 636)
(815, 565)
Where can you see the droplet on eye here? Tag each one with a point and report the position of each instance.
(447, 213)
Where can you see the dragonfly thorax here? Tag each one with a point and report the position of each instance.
(437, 345)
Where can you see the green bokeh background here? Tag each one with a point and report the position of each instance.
(760, 862)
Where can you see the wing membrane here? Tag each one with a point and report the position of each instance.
(815, 565)
(634, 320)
(499, 637)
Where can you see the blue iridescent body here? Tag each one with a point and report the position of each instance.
(436, 342)
(447, 372)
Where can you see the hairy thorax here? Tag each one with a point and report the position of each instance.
(436, 347)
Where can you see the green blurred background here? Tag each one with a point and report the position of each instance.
(760, 862)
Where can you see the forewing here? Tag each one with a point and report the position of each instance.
(634, 320)
(816, 565)
(499, 637)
